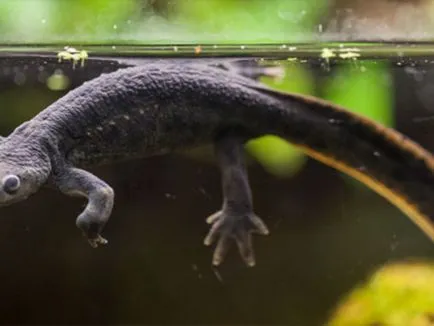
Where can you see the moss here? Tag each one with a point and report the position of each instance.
(400, 294)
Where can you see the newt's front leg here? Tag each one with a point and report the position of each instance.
(100, 197)
(236, 220)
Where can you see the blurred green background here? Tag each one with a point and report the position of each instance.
(159, 21)
(328, 233)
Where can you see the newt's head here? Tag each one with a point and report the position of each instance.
(16, 183)
(24, 166)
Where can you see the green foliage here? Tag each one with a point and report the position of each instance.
(96, 17)
(396, 295)
(188, 21)
(362, 87)
(255, 21)
(48, 21)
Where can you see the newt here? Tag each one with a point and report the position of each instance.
(162, 107)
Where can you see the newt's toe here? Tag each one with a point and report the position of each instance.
(95, 242)
(240, 228)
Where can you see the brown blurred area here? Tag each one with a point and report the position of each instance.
(380, 18)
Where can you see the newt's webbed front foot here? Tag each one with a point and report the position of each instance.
(95, 242)
(91, 227)
(91, 221)
(228, 226)
(236, 219)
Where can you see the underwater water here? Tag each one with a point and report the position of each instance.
(328, 232)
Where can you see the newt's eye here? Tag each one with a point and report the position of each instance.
(11, 184)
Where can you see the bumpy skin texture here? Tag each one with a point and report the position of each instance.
(163, 107)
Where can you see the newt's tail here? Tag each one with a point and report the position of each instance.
(383, 159)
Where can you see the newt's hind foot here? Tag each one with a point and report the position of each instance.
(227, 226)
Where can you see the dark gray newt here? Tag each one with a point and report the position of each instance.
(163, 107)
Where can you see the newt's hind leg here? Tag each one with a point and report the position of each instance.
(99, 206)
(252, 69)
(236, 220)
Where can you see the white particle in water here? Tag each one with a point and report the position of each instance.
(42, 76)
(19, 79)
(327, 54)
(115, 26)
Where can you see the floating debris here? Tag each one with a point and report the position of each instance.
(349, 55)
(72, 54)
(197, 49)
(326, 54)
